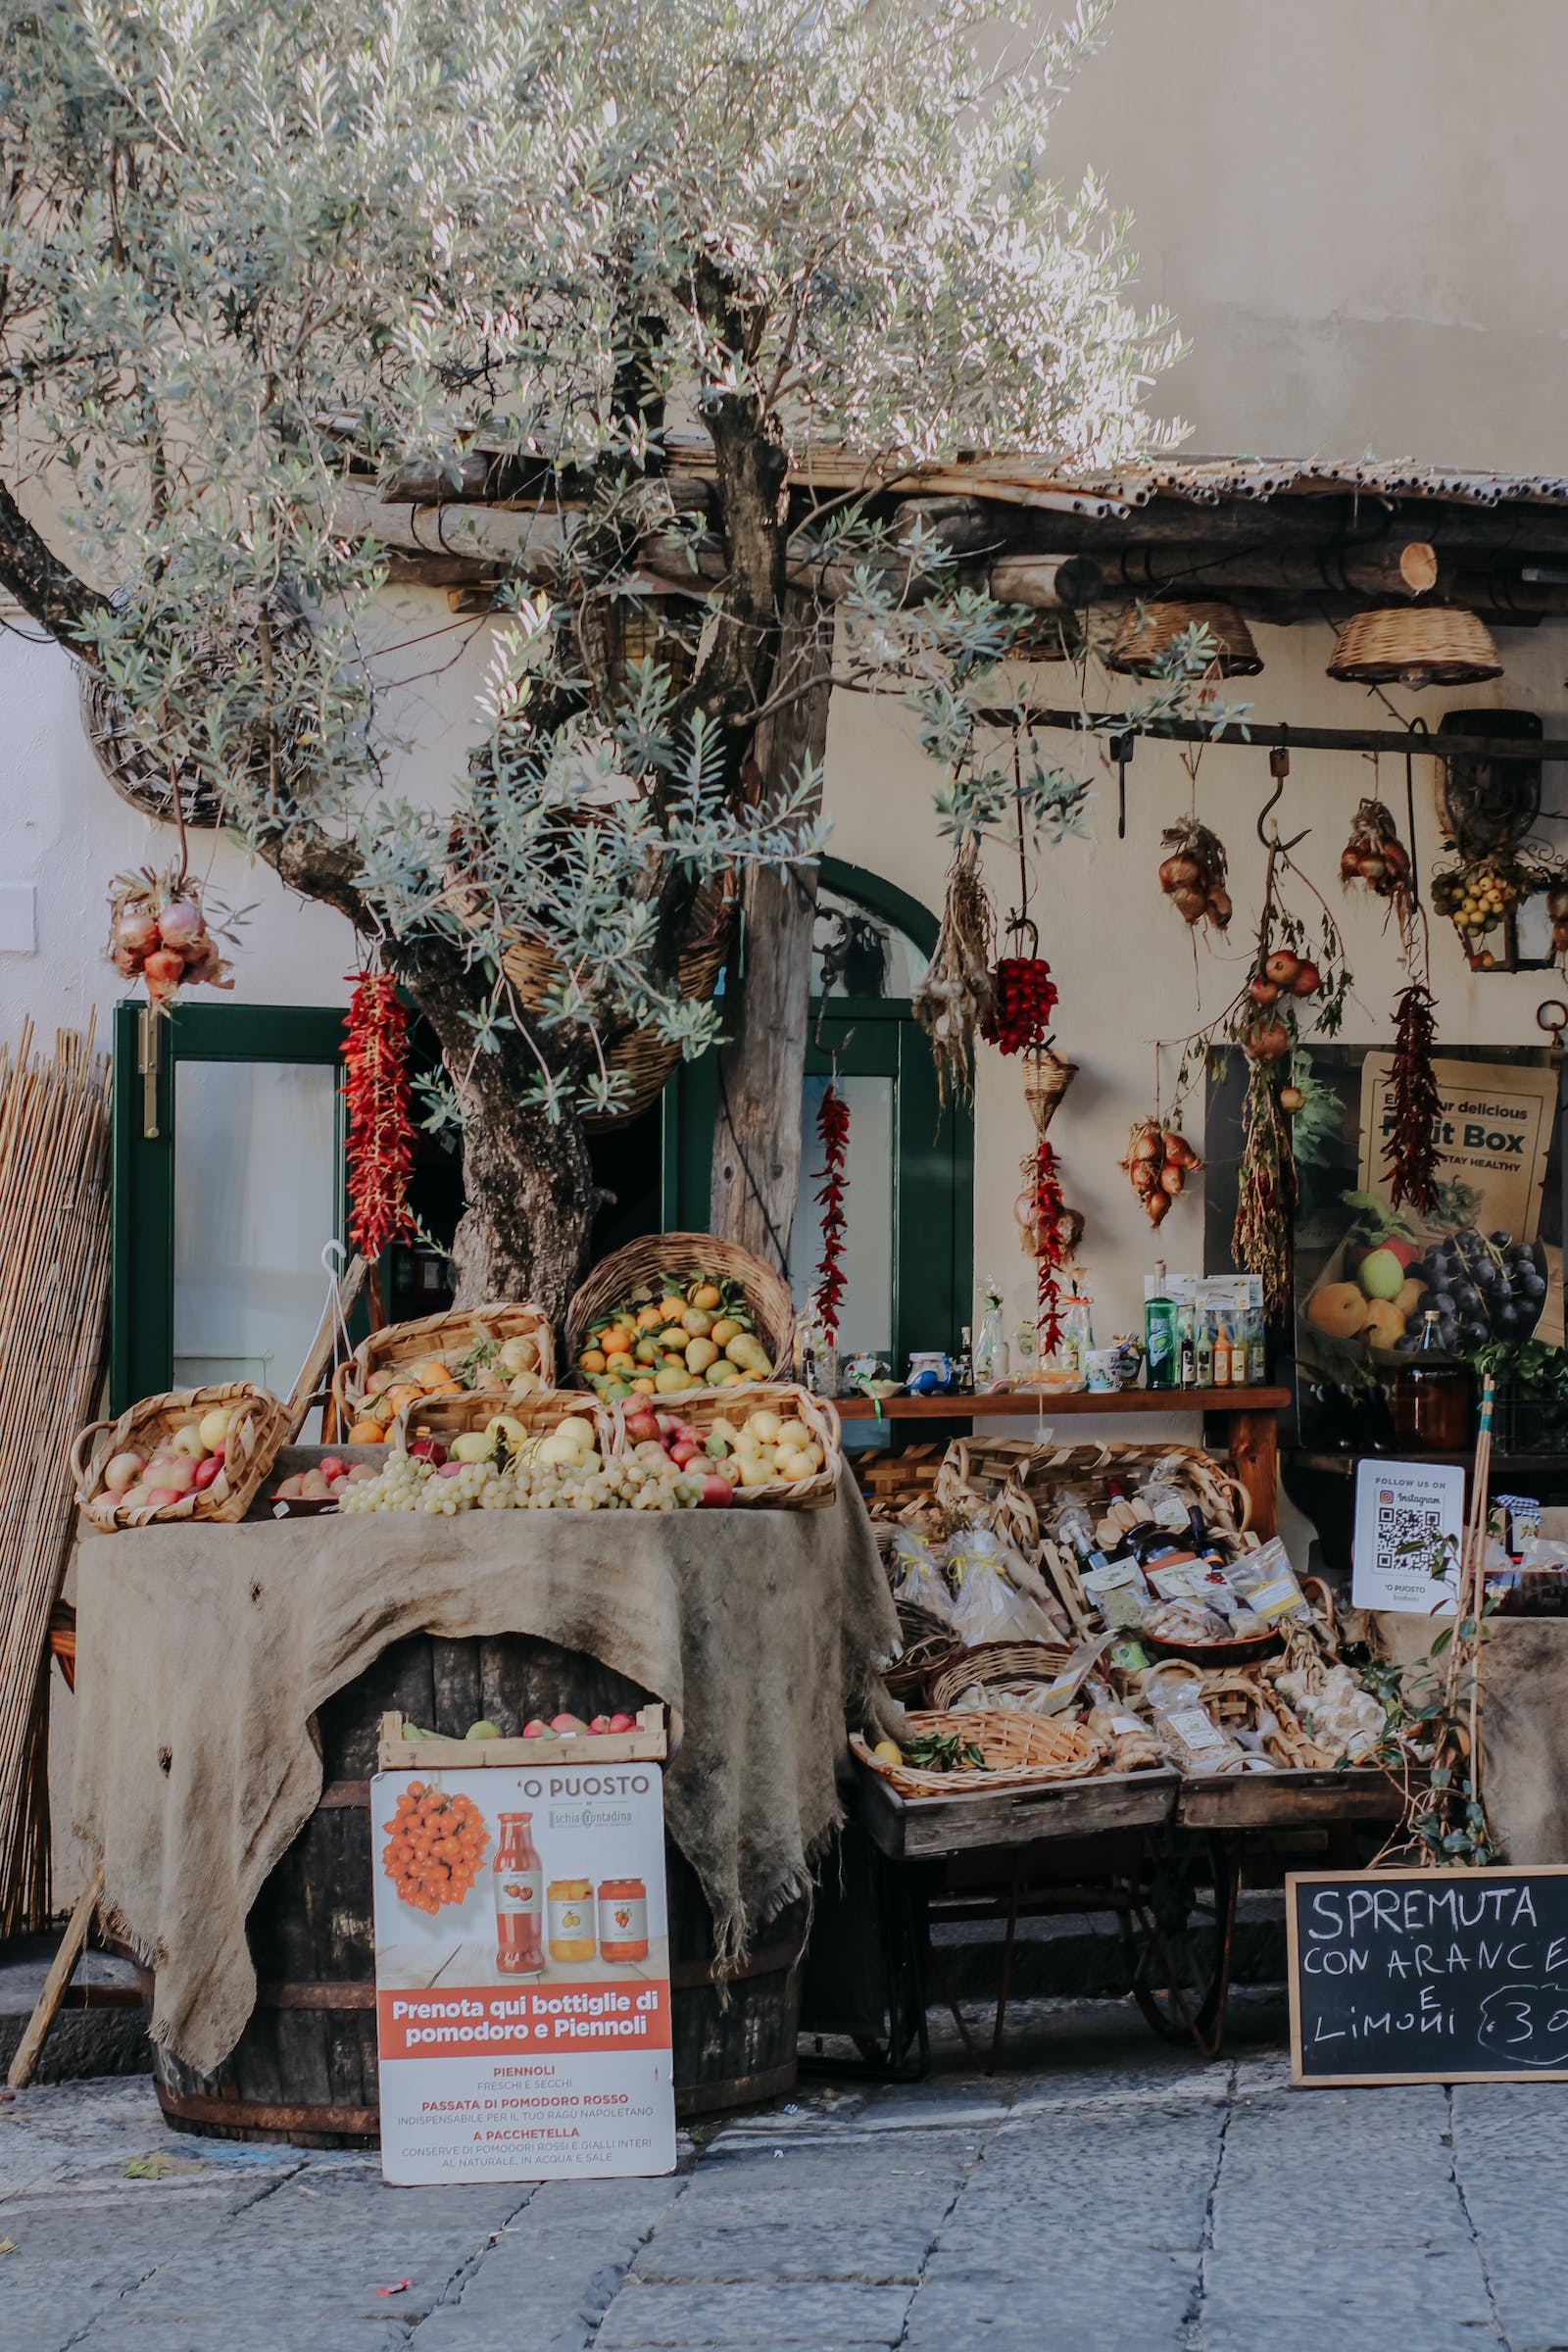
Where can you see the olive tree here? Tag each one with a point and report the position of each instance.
(258, 261)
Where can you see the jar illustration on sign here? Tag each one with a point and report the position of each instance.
(623, 1920)
(571, 1919)
(519, 1907)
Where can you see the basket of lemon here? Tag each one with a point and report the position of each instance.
(675, 1311)
(497, 1349)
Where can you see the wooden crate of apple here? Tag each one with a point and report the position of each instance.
(185, 1463)
(657, 1346)
(498, 1368)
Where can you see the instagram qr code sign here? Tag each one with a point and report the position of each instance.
(1408, 1518)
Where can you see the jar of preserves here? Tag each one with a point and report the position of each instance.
(623, 1920)
(1429, 1394)
(571, 1919)
(520, 1898)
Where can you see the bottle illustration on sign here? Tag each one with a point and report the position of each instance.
(519, 1908)
(623, 1920)
(571, 1919)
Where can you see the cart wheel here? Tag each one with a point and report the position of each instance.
(1185, 1913)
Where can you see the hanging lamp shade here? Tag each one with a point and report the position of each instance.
(1415, 645)
(1147, 630)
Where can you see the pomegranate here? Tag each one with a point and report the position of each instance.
(1267, 1041)
(1282, 967)
(1292, 1099)
(1261, 991)
(1308, 980)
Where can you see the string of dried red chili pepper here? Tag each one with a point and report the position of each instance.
(1050, 1254)
(381, 1136)
(833, 1128)
(1411, 1151)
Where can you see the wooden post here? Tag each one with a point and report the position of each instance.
(757, 1135)
(61, 1970)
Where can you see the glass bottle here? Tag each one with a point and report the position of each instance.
(520, 1898)
(1077, 1331)
(1187, 1346)
(991, 1358)
(1222, 1352)
(963, 1367)
(1160, 1333)
(1204, 1348)
(1257, 1347)
(1429, 1397)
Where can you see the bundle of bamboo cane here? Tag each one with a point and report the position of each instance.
(54, 1279)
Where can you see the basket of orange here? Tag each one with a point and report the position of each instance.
(498, 1349)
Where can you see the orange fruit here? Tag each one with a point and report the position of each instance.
(366, 1433)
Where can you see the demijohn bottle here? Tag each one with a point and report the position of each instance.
(1429, 1399)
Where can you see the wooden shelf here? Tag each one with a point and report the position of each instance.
(1038, 1403)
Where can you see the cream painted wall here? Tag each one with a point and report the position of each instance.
(1355, 209)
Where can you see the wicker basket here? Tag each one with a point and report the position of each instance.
(665, 1258)
(1238, 1700)
(448, 1336)
(641, 1055)
(700, 1408)
(260, 1427)
(1425, 645)
(1046, 1077)
(929, 1642)
(1148, 629)
(985, 1467)
(447, 1417)
(1021, 1751)
(1010, 1666)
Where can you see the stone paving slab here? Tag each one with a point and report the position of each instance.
(1101, 2195)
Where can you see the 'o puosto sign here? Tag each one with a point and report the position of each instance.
(524, 2026)
(1428, 1976)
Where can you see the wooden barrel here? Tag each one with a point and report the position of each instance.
(305, 2068)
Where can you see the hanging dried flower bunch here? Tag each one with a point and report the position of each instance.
(1266, 1194)
(954, 999)
(1193, 874)
(833, 1129)
(1376, 858)
(1411, 1152)
(160, 932)
(380, 1138)
(1159, 1161)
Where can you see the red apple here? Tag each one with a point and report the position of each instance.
(567, 1722)
(158, 1497)
(716, 1493)
(623, 1723)
(450, 1470)
(207, 1470)
(331, 1466)
(428, 1449)
(599, 1723)
(642, 1428)
(534, 1729)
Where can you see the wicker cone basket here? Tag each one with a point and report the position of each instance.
(260, 1427)
(1437, 645)
(447, 1417)
(679, 1259)
(1046, 1079)
(1146, 633)
(702, 1407)
(1021, 1751)
(449, 1336)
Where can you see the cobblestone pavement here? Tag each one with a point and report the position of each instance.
(1104, 2195)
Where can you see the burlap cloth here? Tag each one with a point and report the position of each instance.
(1524, 1722)
(202, 1653)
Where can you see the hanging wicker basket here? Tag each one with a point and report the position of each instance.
(1047, 1076)
(1146, 631)
(1415, 645)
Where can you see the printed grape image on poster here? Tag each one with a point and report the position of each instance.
(522, 1973)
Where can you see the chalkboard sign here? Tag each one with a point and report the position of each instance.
(1428, 1976)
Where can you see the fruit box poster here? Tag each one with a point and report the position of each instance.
(523, 1999)
(1479, 1261)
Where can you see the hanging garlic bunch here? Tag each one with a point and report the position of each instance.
(955, 999)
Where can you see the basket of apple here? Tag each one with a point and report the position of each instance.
(195, 1454)
(768, 1443)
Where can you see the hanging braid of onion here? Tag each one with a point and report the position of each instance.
(955, 999)
(1411, 1151)
(1266, 1195)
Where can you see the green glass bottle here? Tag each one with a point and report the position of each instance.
(1161, 1335)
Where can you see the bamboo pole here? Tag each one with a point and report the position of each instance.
(54, 1279)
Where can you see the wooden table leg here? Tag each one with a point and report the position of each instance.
(61, 1970)
(1255, 1461)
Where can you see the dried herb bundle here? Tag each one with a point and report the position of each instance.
(1263, 1240)
(1411, 1152)
(954, 999)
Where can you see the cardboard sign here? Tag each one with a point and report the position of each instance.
(1428, 1976)
(522, 2003)
(1399, 1505)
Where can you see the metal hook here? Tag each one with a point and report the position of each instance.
(1552, 1016)
(1279, 768)
(1121, 751)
